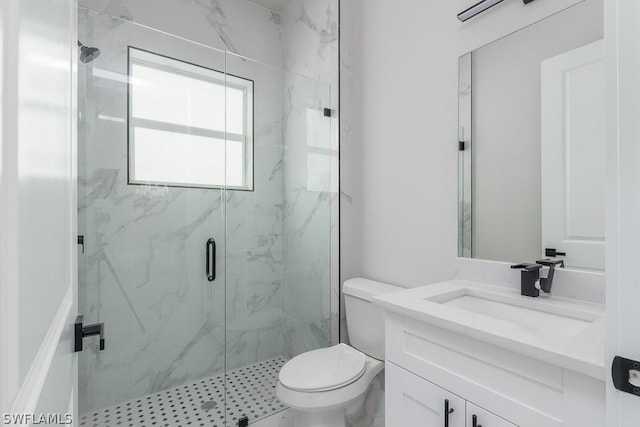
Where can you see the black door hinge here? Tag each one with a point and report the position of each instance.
(552, 253)
(626, 375)
(81, 331)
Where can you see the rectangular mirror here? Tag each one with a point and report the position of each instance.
(531, 143)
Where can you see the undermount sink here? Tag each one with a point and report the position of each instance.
(544, 315)
(561, 331)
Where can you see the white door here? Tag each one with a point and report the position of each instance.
(478, 417)
(413, 401)
(573, 156)
(37, 211)
(622, 53)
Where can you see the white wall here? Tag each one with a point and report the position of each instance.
(507, 131)
(622, 44)
(37, 205)
(401, 224)
(399, 159)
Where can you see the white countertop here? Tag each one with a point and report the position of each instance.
(582, 352)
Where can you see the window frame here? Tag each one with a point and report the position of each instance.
(248, 138)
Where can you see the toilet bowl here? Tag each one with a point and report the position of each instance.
(323, 386)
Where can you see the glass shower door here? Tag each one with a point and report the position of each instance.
(151, 180)
(278, 231)
(204, 206)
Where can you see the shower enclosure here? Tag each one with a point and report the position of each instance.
(204, 216)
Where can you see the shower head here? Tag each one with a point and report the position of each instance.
(87, 54)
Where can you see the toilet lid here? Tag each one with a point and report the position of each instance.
(324, 369)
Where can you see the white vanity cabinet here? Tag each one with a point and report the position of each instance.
(413, 401)
(478, 417)
(428, 364)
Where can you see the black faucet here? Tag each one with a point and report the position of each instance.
(530, 277)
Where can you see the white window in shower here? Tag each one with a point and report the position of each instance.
(189, 126)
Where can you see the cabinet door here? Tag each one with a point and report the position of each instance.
(412, 401)
(484, 418)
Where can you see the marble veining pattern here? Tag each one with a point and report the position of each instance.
(217, 18)
(310, 48)
(221, 24)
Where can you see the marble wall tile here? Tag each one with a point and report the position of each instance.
(310, 49)
(349, 158)
(221, 24)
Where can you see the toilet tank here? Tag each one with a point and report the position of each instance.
(365, 321)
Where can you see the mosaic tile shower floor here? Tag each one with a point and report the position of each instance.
(251, 391)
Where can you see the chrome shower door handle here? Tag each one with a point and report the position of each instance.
(211, 260)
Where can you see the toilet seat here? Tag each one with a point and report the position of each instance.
(336, 399)
(324, 369)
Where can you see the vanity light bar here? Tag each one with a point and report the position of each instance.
(481, 7)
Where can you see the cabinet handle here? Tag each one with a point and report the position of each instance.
(211, 260)
(447, 411)
(474, 421)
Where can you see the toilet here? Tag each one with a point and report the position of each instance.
(323, 386)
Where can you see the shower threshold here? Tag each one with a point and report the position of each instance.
(251, 392)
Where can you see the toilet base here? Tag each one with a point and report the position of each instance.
(335, 418)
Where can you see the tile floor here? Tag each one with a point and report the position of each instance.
(250, 391)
